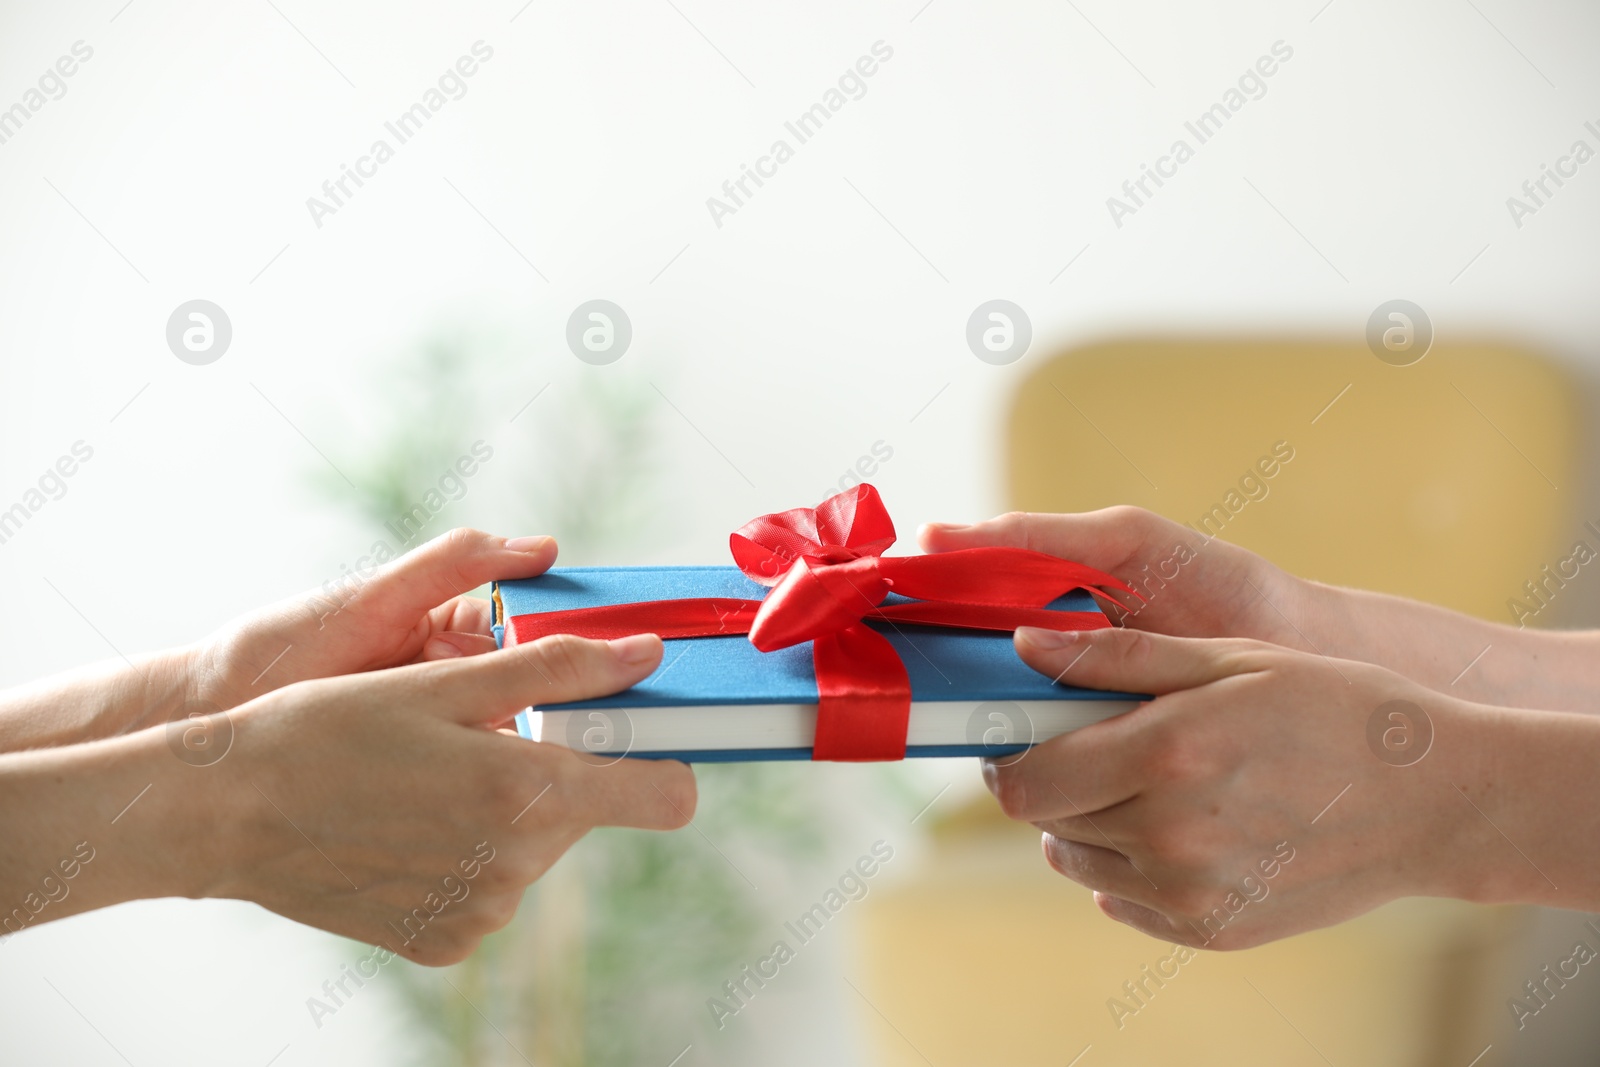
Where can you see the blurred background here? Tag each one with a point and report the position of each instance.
(950, 279)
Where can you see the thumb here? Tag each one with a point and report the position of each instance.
(450, 565)
(1132, 661)
(490, 688)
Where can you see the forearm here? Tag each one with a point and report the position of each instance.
(1485, 662)
(97, 701)
(1526, 800)
(91, 825)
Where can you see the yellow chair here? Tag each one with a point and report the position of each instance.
(1450, 480)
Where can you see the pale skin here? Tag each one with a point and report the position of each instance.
(369, 760)
(366, 763)
(1264, 684)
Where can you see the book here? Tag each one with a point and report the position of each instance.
(719, 699)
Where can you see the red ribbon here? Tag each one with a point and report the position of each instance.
(828, 575)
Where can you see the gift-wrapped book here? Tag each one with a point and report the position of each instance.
(851, 655)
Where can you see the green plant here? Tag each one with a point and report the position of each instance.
(613, 954)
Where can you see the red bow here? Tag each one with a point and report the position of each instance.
(829, 574)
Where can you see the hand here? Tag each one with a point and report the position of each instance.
(410, 610)
(1244, 803)
(385, 805)
(1204, 587)
(1193, 586)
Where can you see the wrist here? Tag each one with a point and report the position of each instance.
(169, 826)
(106, 821)
(1306, 615)
(97, 701)
(1501, 782)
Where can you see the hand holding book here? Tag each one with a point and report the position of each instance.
(1258, 793)
(1311, 752)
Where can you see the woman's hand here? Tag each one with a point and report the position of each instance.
(1196, 586)
(410, 610)
(383, 806)
(1264, 792)
(1192, 586)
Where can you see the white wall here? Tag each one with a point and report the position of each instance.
(794, 336)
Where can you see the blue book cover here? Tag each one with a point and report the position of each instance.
(720, 699)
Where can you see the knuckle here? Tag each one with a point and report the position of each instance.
(497, 911)
(1074, 861)
(460, 545)
(680, 795)
(1192, 900)
(1168, 845)
(1186, 847)
(1132, 648)
(1015, 528)
(558, 806)
(1229, 940)
(462, 538)
(505, 786)
(1174, 756)
(1128, 515)
(1011, 791)
(544, 788)
(1247, 652)
(500, 876)
(564, 659)
(447, 946)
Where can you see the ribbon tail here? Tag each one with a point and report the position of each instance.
(864, 697)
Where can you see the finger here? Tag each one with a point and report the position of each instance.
(464, 614)
(1132, 661)
(1077, 774)
(1149, 921)
(1106, 539)
(646, 794)
(490, 688)
(450, 565)
(1116, 827)
(1105, 870)
(453, 644)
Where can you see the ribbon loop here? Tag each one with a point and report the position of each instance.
(813, 600)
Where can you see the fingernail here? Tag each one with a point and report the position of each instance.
(635, 648)
(1046, 640)
(526, 544)
(950, 527)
